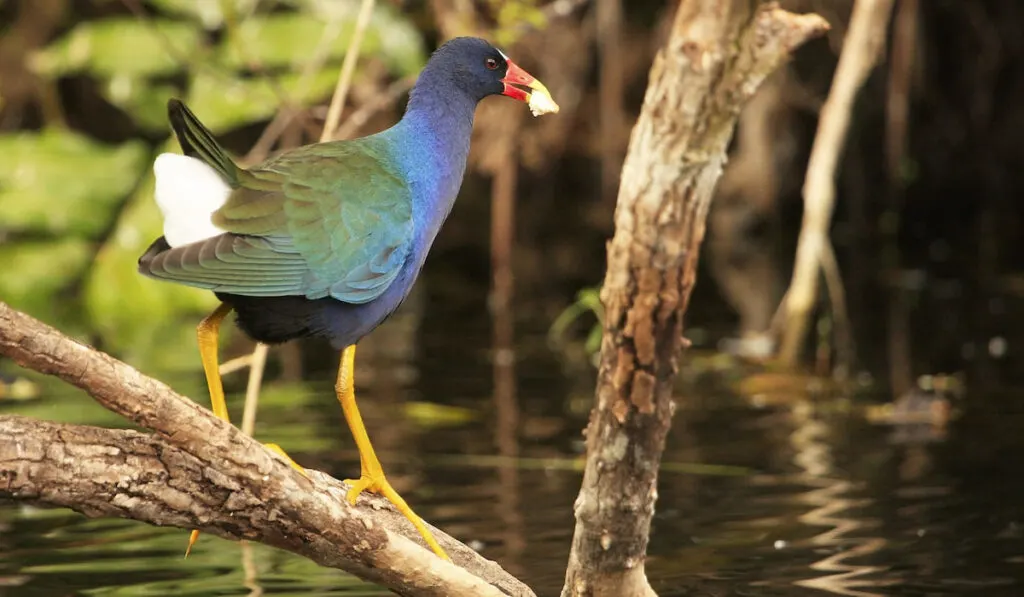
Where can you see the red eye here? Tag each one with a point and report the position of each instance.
(491, 63)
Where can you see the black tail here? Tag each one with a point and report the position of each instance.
(197, 141)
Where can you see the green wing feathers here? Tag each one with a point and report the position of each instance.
(330, 219)
(343, 204)
(247, 265)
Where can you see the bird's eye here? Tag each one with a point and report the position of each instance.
(491, 63)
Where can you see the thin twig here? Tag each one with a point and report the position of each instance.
(861, 50)
(288, 112)
(252, 389)
(610, 92)
(360, 117)
(840, 317)
(348, 67)
(236, 364)
(181, 56)
(897, 99)
(231, 23)
(140, 14)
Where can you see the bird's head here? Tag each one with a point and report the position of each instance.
(479, 69)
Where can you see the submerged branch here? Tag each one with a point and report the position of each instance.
(200, 472)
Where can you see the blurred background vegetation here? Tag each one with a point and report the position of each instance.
(492, 353)
(84, 114)
(926, 229)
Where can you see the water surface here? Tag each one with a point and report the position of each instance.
(810, 499)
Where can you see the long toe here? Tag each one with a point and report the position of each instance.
(381, 486)
(280, 452)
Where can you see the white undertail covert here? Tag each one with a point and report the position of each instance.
(188, 192)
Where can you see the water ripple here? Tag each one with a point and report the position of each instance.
(840, 512)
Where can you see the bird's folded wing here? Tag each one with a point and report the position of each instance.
(335, 222)
(247, 265)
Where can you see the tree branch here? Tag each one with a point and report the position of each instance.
(348, 67)
(200, 472)
(717, 55)
(862, 48)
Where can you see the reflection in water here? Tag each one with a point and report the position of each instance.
(507, 431)
(835, 509)
(503, 355)
(844, 578)
(252, 581)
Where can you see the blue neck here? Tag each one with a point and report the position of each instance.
(431, 144)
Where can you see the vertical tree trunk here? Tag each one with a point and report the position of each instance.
(717, 54)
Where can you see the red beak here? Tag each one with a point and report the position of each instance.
(515, 75)
(539, 99)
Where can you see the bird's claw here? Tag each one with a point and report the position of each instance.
(365, 483)
(377, 483)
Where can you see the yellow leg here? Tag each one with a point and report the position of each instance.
(371, 476)
(208, 333)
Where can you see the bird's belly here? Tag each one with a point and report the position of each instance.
(273, 320)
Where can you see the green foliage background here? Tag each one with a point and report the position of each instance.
(76, 212)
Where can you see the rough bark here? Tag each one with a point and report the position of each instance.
(716, 56)
(202, 473)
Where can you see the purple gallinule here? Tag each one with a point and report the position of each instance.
(326, 240)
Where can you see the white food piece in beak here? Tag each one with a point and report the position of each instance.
(541, 103)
